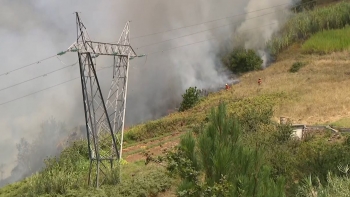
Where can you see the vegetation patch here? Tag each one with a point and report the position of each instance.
(301, 26)
(189, 99)
(183, 121)
(335, 186)
(296, 67)
(328, 41)
(243, 60)
(68, 175)
(270, 154)
(228, 167)
(342, 123)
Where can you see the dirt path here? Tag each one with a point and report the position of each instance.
(154, 147)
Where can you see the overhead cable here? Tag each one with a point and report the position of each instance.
(110, 66)
(37, 62)
(175, 38)
(218, 19)
(43, 75)
(45, 89)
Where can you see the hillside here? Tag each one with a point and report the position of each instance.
(315, 94)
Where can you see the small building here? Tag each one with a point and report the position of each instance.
(298, 130)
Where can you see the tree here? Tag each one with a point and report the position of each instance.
(24, 155)
(2, 171)
(31, 156)
(229, 167)
(190, 98)
(242, 60)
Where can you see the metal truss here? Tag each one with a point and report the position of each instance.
(104, 118)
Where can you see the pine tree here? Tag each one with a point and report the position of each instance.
(190, 98)
(220, 154)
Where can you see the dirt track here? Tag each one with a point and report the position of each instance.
(154, 147)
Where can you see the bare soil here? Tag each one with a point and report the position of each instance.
(153, 147)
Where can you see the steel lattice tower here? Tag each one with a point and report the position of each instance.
(104, 118)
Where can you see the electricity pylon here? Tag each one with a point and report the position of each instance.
(104, 118)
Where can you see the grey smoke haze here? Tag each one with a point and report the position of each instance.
(31, 30)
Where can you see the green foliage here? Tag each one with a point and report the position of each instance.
(253, 118)
(301, 26)
(190, 98)
(61, 174)
(328, 41)
(336, 185)
(296, 67)
(242, 60)
(283, 133)
(148, 183)
(68, 175)
(228, 166)
(342, 123)
(298, 159)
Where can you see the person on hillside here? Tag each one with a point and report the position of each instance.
(227, 87)
(259, 81)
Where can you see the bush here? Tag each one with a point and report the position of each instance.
(296, 67)
(253, 117)
(190, 98)
(283, 133)
(242, 60)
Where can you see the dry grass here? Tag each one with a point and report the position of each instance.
(319, 89)
(316, 94)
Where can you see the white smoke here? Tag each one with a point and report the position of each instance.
(35, 29)
(270, 22)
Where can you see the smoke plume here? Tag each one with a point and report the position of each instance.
(31, 30)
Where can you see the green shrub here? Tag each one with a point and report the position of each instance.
(242, 60)
(296, 67)
(283, 133)
(190, 98)
(253, 117)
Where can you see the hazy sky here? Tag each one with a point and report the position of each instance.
(36, 29)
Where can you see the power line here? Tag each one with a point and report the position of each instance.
(110, 66)
(203, 40)
(37, 62)
(200, 31)
(43, 75)
(151, 44)
(217, 20)
(45, 89)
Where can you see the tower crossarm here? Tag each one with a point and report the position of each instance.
(100, 48)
